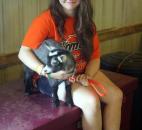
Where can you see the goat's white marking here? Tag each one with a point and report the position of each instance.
(50, 47)
(60, 59)
(53, 53)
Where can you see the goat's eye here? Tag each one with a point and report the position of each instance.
(62, 58)
(54, 62)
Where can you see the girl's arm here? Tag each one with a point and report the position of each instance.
(92, 67)
(27, 56)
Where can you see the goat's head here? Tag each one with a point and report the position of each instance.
(59, 58)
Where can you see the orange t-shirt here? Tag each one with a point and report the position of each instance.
(43, 27)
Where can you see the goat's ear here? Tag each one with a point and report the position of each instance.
(50, 44)
(50, 48)
(53, 53)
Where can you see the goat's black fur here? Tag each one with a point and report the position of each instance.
(48, 54)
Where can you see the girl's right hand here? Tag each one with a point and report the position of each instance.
(82, 79)
(61, 75)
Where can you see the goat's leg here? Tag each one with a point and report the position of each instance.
(69, 100)
(28, 81)
(56, 101)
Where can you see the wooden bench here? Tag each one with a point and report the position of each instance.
(35, 112)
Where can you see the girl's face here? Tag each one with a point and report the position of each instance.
(69, 6)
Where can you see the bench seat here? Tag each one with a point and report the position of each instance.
(35, 112)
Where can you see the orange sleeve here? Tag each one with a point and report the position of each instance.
(38, 31)
(96, 47)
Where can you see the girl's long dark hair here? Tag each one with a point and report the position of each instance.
(84, 26)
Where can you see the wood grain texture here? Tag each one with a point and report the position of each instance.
(109, 34)
(17, 15)
(1, 27)
(104, 35)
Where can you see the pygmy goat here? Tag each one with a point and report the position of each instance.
(55, 58)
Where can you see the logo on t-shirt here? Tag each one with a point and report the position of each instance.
(70, 43)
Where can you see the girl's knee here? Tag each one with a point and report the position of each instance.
(84, 98)
(91, 102)
(117, 95)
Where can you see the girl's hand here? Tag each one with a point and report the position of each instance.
(82, 79)
(62, 75)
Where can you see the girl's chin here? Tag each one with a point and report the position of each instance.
(70, 7)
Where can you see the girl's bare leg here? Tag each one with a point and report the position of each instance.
(113, 101)
(89, 103)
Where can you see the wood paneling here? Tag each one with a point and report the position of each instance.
(8, 60)
(11, 73)
(98, 13)
(10, 25)
(17, 15)
(1, 26)
(114, 14)
(15, 18)
(109, 34)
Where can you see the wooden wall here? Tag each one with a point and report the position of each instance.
(117, 13)
(16, 16)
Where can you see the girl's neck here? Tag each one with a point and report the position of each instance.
(69, 13)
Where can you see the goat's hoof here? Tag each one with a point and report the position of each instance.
(27, 94)
(69, 104)
(55, 104)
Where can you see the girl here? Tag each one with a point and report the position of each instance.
(70, 23)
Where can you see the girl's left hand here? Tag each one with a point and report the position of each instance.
(82, 79)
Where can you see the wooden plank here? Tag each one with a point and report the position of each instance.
(98, 12)
(2, 76)
(9, 60)
(1, 27)
(118, 13)
(108, 13)
(30, 11)
(11, 73)
(104, 35)
(11, 26)
(110, 34)
(42, 5)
